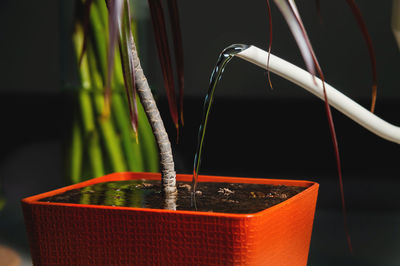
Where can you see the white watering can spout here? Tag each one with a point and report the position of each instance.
(314, 85)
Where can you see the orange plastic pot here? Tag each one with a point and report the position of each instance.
(72, 234)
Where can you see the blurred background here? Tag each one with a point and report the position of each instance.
(254, 131)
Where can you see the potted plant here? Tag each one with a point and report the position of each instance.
(71, 234)
(88, 234)
(169, 236)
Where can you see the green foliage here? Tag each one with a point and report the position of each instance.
(103, 144)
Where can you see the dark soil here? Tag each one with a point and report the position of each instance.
(210, 197)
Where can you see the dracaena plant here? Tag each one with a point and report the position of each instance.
(127, 60)
(292, 16)
(319, 88)
(108, 61)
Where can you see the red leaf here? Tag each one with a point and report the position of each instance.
(114, 15)
(289, 11)
(318, 7)
(178, 48)
(86, 18)
(363, 27)
(125, 46)
(160, 35)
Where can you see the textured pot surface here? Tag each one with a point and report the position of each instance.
(72, 234)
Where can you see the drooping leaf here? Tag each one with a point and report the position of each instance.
(318, 7)
(128, 67)
(292, 16)
(269, 42)
(86, 19)
(363, 27)
(396, 21)
(114, 16)
(120, 30)
(338, 163)
(160, 35)
(178, 49)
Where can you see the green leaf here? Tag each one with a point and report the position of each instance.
(125, 46)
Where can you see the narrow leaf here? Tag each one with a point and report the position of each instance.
(178, 48)
(125, 47)
(338, 162)
(318, 7)
(160, 35)
(86, 19)
(363, 27)
(292, 16)
(396, 21)
(114, 14)
(269, 42)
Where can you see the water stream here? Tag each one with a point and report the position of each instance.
(226, 55)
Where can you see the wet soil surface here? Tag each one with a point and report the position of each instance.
(210, 196)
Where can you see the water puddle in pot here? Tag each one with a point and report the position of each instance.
(210, 196)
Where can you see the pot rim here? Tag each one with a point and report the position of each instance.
(121, 176)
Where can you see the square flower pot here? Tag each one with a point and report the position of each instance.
(75, 234)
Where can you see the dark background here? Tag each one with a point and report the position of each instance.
(253, 131)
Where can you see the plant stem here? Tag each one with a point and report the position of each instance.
(129, 145)
(112, 142)
(99, 38)
(91, 135)
(119, 110)
(76, 152)
(111, 139)
(168, 174)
